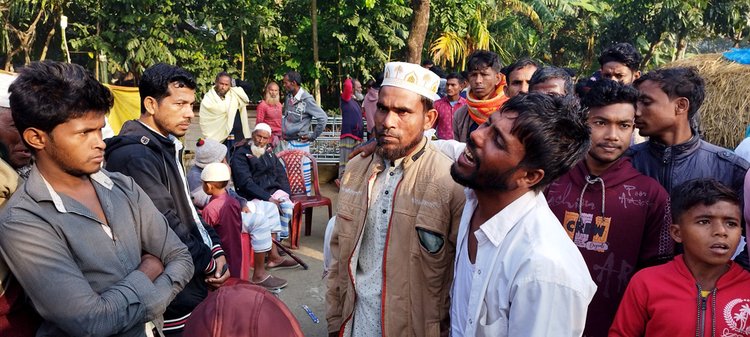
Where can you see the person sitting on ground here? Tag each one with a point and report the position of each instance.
(88, 246)
(552, 80)
(207, 151)
(701, 290)
(223, 213)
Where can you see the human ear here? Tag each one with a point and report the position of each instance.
(35, 138)
(429, 119)
(675, 233)
(150, 104)
(682, 105)
(530, 178)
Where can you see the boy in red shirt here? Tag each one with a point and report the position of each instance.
(224, 214)
(701, 292)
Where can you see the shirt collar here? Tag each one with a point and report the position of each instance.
(497, 227)
(36, 191)
(298, 96)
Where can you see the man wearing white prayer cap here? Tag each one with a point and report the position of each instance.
(395, 234)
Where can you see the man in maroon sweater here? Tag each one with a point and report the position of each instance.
(618, 217)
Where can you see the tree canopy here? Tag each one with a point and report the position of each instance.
(259, 40)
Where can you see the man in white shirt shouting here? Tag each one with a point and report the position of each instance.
(517, 273)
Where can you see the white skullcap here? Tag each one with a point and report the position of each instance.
(215, 172)
(5, 81)
(262, 126)
(412, 77)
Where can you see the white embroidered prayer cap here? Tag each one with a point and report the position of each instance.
(5, 81)
(262, 127)
(215, 172)
(412, 77)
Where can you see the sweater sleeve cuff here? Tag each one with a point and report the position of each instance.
(210, 268)
(217, 251)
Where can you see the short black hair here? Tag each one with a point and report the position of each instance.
(49, 93)
(294, 76)
(222, 74)
(156, 79)
(679, 82)
(553, 132)
(623, 53)
(481, 59)
(607, 92)
(520, 63)
(454, 75)
(427, 62)
(702, 191)
(550, 72)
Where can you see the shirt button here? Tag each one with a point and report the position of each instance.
(384, 211)
(386, 192)
(471, 321)
(479, 272)
(391, 174)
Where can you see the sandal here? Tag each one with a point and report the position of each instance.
(286, 264)
(271, 282)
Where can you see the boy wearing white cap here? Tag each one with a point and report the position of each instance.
(223, 212)
(395, 234)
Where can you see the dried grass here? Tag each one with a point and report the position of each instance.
(725, 112)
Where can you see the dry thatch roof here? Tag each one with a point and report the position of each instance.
(725, 112)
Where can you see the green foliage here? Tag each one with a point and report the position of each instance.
(356, 38)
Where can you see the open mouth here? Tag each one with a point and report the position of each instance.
(720, 248)
(468, 154)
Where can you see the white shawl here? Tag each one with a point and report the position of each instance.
(217, 115)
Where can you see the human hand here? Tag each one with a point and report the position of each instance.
(245, 209)
(366, 149)
(151, 266)
(221, 274)
(304, 138)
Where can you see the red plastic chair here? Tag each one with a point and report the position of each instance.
(293, 162)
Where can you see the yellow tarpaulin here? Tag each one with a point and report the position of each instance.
(127, 106)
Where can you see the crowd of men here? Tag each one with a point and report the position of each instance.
(529, 207)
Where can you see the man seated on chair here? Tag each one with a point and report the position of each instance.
(259, 177)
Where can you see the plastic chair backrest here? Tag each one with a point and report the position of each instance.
(292, 160)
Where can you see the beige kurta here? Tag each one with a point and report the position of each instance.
(217, 114)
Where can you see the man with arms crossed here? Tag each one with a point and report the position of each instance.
(88, 246)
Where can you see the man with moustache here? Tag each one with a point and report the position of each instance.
(88, 246)
(516, 271)
(148, 149)
(394, 237)
(518, 76)
(618, 217)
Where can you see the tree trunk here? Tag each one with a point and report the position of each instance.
(242, 46)
(650, 54)
(681, 46)
(314, 14)
(46, 44)
(420, 20)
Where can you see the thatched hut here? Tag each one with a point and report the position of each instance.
(725, 112)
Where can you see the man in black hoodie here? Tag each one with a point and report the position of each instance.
(148, 150)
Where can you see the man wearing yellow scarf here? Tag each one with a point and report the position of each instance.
(219, 107)
(485, 96)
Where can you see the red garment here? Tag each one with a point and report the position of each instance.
(665, 301)
(346, 93)
(17, 317)
(271, 115)
(633, 234)
(223, 213)
(444, 122)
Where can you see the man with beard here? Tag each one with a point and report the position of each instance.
(486, 93)
(618, 217)
(219, 117)
(148, 149)
(394, 237)
(19, 156)
(518, 76)
(516, 271)
(88, 246)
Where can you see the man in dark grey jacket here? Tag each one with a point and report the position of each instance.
(669, 100)
(88, 246)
